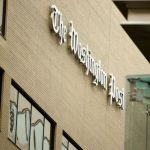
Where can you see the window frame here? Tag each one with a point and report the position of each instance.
(38, 108)
(1, 82)
(1, 78)
(70, 140)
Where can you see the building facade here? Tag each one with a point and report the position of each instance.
(50, 99)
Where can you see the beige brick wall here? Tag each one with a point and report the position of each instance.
(53, 77)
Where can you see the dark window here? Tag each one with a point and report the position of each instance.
(68, 143)
(1, 75)
(2, 16)
(30, 128)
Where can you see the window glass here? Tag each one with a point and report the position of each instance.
(29, 128)
(12, 113)
(64, 141)
(68, 143)
(47, 133)
(137, 113)
(23, 122)
(37, 127)
(63, 147)
(71, 147)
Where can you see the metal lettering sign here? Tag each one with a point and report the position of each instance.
(83, 53)
(57, 24)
